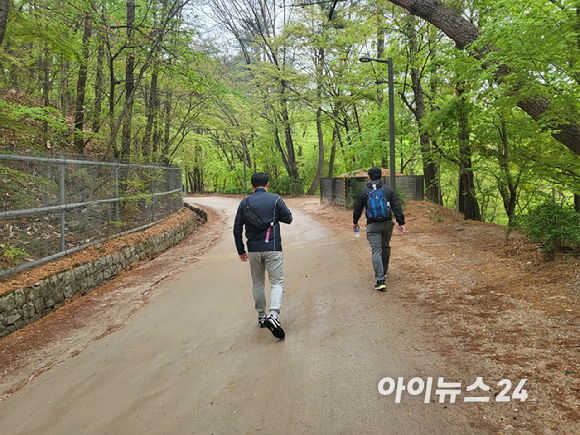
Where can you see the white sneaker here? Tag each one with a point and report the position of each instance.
(273, 324)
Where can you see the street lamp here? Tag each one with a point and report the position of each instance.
(392, 177)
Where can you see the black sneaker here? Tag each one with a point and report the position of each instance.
(262, 321)
(273, 324)
(380, 285)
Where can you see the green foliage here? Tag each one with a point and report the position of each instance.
(438, 217)
(21, 118)
(538, 41)
(402, 197)
(13, 254)
(287, 186)
(268, 94)
(355, 192)
(552, 225)
(52, 28)
(115, 224)
(12, 182)
(369, 145)
(235, 190)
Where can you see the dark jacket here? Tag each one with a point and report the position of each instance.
(269, 207)
(390, 195)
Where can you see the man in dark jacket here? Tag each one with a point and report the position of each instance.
(379, 231)
(264, 248)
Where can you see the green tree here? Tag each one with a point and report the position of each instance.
(554, 110)
(253, 25)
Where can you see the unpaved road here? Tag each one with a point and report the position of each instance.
(192, 360)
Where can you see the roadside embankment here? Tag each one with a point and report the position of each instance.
(26, 298)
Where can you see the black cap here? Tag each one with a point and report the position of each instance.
(375, 173)
(259, 179)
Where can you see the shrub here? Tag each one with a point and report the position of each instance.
(552, 225)
(287, 186)
(13, 254)
(355, 192)
(402, 197)
(237, 190)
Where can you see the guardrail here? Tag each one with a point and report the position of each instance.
(53, 206)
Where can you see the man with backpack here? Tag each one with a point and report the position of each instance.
(381, 203)
(261, 214)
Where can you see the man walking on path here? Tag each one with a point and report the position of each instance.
(261, 214)
(380, 202)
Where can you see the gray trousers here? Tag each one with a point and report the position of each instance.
(260, 262)
(379, 236)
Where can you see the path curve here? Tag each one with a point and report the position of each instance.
(193, 360)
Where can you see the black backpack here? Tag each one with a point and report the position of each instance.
(252, 218)
(378, 208)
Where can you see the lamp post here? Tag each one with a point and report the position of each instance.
(392, 177)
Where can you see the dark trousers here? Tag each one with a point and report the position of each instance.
(379, 236)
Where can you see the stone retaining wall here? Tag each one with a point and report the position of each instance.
(21, 307)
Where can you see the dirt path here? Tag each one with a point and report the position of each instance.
(192, 360)
(172, 346)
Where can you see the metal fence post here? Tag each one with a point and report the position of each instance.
(180, 175)
(171, 200)
(116, 185)
(62, 202)
(152, 189)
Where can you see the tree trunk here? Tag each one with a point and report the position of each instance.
(4, 9)
(45, 74)
(280, 149)
(468, 204)
(166, 130)
(335, 136)
(113, 82)
(291, 165)
(97, 107)
(157, 133)
(246, 150)
(152, 114)
(430, 166)
(173, 12)
(506, 185)
(433, 85)
(129, 85)
(81, 90)
(64, 96)
(320, 167)
(197, 180)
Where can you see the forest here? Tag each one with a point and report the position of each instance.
(485, 93)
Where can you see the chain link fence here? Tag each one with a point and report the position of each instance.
(53, 205)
